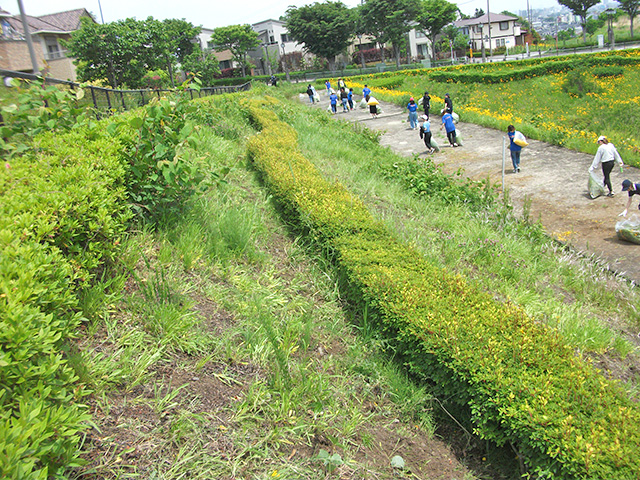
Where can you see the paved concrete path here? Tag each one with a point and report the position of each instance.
(553, 179)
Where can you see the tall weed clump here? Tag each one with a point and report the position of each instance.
(520, 383)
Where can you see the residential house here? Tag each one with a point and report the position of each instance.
(419, 44)
(274, 43)
(491, 31)
(224, 57)
(47, 32)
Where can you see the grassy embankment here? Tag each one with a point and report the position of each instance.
(215, 320)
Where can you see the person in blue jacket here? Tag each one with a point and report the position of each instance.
(514, 148)
(333, 99)
(450, 128)
(366, 92)
(412, 106)
(350, 98)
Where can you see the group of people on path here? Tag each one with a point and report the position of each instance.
(346, 96)
(605, 157)
(424, 124)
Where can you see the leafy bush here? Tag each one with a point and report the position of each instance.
(61, 219)
(155, 79)
(425, 178)
(158, 178)
(39, 108)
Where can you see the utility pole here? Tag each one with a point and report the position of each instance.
(27, 36)
(100, 7)
(489, 22)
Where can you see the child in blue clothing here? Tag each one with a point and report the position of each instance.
(425, 132)
(514, 148)
(366, 93)
(333, 99)
(412, 106)
(350, 98)
(450, 128)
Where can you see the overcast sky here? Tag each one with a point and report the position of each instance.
(218, 13)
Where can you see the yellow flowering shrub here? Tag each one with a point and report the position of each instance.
(519, 382)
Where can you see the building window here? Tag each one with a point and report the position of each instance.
(420, 34)
(465, 30)
(284, 38)
(504, 25)
(272, 39)
(53, 49)
(477, 29)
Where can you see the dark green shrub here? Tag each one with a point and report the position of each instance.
(601, 72)
(578, 83)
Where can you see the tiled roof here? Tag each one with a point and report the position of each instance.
(495, 17)
(68, 21)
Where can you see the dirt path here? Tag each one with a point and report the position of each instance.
(553, 178)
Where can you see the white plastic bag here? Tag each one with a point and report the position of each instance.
(456, 117)
(520, 140)
(434, 144)
(629, 229)
(458, 138)
(595, 185)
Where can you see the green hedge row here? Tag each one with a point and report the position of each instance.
(62, 213)
(517, 379)
(532, 69)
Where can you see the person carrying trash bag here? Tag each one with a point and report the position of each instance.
(516, 142)
(450, 128)
(605, 156)
(373, 106)
(632, 189)
(425, 134)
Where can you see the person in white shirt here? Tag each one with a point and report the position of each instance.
(606, 155)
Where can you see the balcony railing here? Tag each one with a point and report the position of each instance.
(55, 55)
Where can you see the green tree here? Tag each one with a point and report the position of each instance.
(122, 52)
(630, 7)
(433, 17)
(108, 52)
(593, 25)
(580, 8)
(171, 42)
(452, 38)
(565, 35)
(325, 29)
(239, 39)
(204, 65)
(390, 21)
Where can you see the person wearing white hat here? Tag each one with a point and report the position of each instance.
(605, 156)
